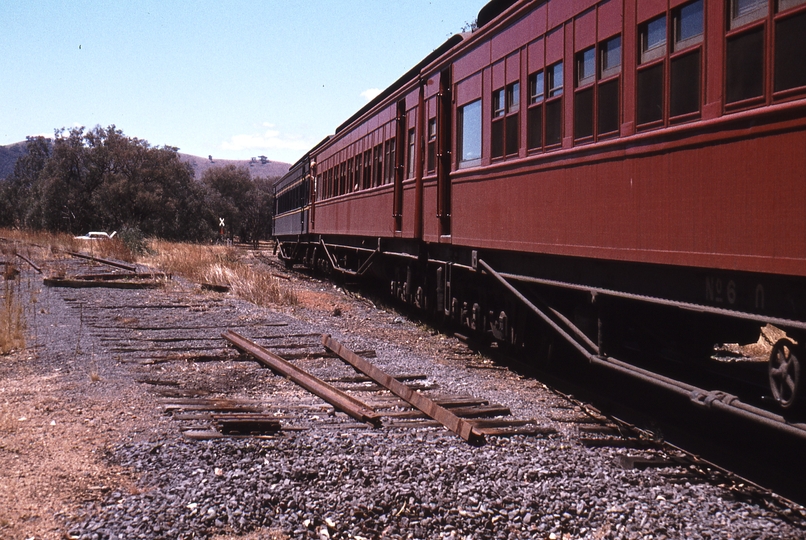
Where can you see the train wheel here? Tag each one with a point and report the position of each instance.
(784, 370)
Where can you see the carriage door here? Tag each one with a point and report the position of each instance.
(444, 124)
(399, 171)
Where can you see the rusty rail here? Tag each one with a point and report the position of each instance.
(442, 415)
(26, 259)
(107, 262)
(107, 284)
(339, 399)
(112, 277)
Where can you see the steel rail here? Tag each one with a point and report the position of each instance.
(112, 277)
(339, 399)
(106, 284)
(107, 262)
(716, 400)
(442, 415)
(26, 259)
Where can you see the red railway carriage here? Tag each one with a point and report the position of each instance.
(624, 168)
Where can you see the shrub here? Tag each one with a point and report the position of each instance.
(134, 240)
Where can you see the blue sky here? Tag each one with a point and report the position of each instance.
(232, 79)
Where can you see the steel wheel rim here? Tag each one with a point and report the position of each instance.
(784, 372)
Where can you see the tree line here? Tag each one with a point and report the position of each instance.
(100, 179)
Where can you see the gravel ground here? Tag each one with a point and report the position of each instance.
(97, 439)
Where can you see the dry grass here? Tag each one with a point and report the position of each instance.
(108, 249)
(221, 265)
(59, 242)
(215, 265)
(12, 321)
(54, 241)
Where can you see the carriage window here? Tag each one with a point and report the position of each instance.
(534, 118)
(469, 134)
(513, 97)
(536, 87)
(497, 127)
(746, 11)
(652, 36)
(512, 122)
(583, 99)
(389, 162)
(393, 161)
(650, 94)
(685, 84)
(432, 145)
(787, 4)
(377, 157)
(410, 162)
(610, 52)
(607, 93)
(586, 67)
(513, 134)
(745, 66)
(583, 113)
(608, 117)
(790, 60)
(343, 187)
(498, 103)
(688, 25)
(534, 115)
(505, 129)
(554, 125)
(367, 170)
(556, 79)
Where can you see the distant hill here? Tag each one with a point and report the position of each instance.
(10, 153)
(256, 168)
(8, 157)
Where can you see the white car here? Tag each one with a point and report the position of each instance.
(96, 235)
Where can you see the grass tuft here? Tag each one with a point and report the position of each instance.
(221, 265)
(12, 321)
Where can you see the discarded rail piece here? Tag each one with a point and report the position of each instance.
(113, 277)
(339, 399)
(245, 423)
(26, 259)
(85, 283)
(448, 419)
(116, 264)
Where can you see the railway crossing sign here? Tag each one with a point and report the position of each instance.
(220, 222)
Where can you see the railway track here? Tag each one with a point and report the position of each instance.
(202, 417)
(221, 412)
